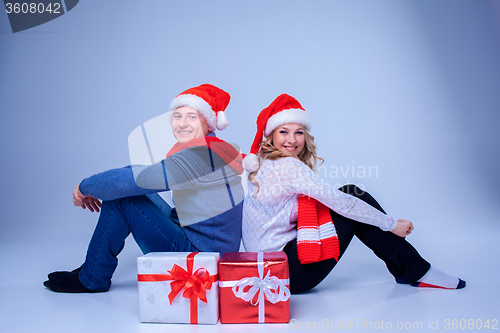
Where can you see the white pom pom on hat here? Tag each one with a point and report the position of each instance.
(283, 110)
(251, 163)
(209, 100)
(222, 121)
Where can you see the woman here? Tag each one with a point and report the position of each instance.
(288, 207)
(203, 173)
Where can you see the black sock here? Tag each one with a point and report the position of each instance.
(67, 282)
(402, 280)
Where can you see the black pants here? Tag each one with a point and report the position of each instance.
(401, 259)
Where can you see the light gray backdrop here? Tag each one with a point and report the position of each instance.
(405, 89)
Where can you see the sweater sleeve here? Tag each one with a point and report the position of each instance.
(189, 169)
(193, 168)
(297, 178)
(117, 183)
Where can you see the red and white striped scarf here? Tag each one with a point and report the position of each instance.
(316, 235)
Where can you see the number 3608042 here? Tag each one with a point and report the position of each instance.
(33, 8)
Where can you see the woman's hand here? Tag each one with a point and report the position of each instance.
(85, 201)
(403, 228)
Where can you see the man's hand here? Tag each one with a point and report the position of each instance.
(403, 228)
(85, 201)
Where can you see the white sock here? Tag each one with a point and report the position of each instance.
(434, 278)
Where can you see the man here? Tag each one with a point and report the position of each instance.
(203, 173)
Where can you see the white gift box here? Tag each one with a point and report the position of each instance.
(173, 286)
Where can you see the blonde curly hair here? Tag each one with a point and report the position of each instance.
(267, 151)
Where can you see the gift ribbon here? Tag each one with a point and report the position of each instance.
(268, 287)
(195, 284)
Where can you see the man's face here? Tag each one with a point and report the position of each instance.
(188, 124)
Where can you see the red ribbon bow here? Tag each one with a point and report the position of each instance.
(195, 284)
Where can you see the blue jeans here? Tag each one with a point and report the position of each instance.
(152, 230)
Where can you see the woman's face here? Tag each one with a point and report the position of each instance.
(188, 124)
(289, 138)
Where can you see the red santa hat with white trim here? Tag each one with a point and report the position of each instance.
(283, 110)
(208, 100)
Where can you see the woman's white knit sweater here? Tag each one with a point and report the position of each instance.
(270, 215)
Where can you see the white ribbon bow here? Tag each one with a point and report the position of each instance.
(268, 287)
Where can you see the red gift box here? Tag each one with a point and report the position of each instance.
(254, 287)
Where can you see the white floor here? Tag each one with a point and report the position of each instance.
(358, 295)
